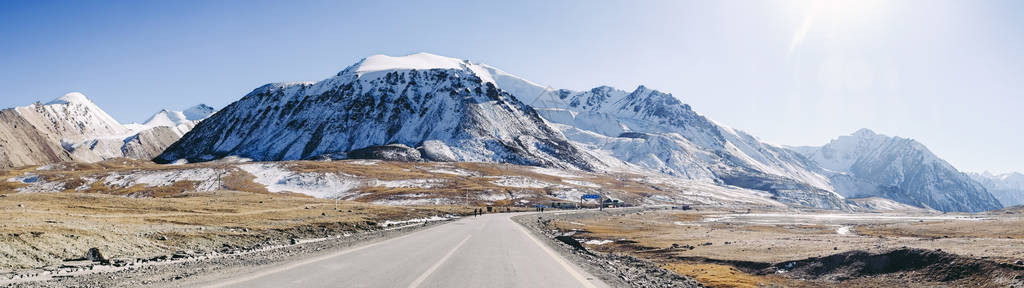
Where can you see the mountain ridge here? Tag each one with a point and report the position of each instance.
(1007, 187)
(866, 163)
(450, 108)
(426, 107)
(379, 88)
(73, 128)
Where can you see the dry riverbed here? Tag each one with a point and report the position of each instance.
(810, 249)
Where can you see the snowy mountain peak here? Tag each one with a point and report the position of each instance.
(418, 61)
(74, 117)
(180, 122)
(869, 164)
(448, 109)
(199, 112)
(71, 98)
(865, 133)
(166, 118)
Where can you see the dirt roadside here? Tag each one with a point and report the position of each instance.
(89, 240)
(770, 249)
(191, 271)
(614, 269)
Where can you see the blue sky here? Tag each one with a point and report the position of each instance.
(947, 73)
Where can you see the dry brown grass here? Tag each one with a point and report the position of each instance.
(651, 234)
(646, 229)
(454, 188)
(717, 275)
(41, 229)
(239, 180)
(998, 228)
(7, 186)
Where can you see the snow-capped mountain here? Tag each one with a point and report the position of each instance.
(73, 128)
(74, 117)
(1007, 187)
(867, 164)
(449, 109)
(180, 121)
(198, 113)
(653, 130)
(454, 109)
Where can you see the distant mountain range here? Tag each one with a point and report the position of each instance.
(456, 110)
(1008, 187)
(425, 107)
(867, 164)
(72, 128)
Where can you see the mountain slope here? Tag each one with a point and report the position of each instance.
(21, 144)
(654, 130)
(445, 107)
(1008, 187)
(472, 112)
(73, 128)
(867, 164)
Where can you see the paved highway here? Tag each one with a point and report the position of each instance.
(486, 251)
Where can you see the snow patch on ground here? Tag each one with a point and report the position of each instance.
(411, 183)
(207, 178)
(389, 223)
(597, 242)
(555, 172)
(844, 230)
(26, 179)
(364, 162)
(320, 185)
(522, 182)
(492, 196)
(451, 171)
(703, 192)
(36, 184)
(87, 183)
(416, 202)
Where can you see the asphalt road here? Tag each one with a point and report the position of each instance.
(486, 251)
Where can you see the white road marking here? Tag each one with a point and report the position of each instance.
(418, 281)
(558, 258)
(294, 265)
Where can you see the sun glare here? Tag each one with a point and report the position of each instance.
(833, 15)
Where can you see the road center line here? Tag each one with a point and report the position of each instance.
(418, 281)
(558, 258)
(293, 265)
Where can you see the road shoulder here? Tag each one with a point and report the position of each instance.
(614, 270)
(208, 271)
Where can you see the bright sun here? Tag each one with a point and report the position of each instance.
(833, 15)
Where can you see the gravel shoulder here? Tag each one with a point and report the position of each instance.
(614, 269)
(95, 240)
(198, 270)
